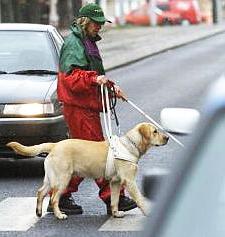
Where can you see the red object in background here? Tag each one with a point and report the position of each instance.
(167, 12)
(141, 16)
(188, 9)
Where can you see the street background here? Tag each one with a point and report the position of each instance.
(121, 43)
(179, 77)
(60, 13)
(174, 65)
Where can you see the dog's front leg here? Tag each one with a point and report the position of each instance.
(115, 186)
(137, 196)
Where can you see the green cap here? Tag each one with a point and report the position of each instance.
(94, 12)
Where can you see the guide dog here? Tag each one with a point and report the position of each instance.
(88, 159)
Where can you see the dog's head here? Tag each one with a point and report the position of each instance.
(146, 135)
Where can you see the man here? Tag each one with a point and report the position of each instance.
(81, 74)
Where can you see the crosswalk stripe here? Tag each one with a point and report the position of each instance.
(18, 213)
(133, 221)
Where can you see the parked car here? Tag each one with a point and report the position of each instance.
(29, 110)
(167, 12)
(191, 199)
(140, 16)
(189, 10)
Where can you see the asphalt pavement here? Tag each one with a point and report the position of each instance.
(17, 198)
(123, 45)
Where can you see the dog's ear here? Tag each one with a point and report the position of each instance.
(145, 132)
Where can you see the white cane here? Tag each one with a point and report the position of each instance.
(108, 127)
(154, 122)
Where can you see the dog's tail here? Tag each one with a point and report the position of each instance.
(31, 151)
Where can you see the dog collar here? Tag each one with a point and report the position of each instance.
(126, 141)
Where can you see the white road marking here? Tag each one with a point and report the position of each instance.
(18, 213)
(133, 221)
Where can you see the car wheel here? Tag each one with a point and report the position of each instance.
(185, 22)
(166, 22)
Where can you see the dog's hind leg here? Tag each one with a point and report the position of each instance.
(42, 192)
(56, 194)
(115, 186)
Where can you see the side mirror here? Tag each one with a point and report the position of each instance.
(179, 120)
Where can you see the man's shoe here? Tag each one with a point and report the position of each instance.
(67, 205)
(125, 204)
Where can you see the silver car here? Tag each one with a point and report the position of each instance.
(29, 110)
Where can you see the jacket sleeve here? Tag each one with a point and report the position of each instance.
(79, 81)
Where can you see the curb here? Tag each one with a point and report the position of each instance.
(110, 68)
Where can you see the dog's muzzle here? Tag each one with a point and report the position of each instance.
(166, 139)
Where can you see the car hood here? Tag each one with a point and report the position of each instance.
(24, 88)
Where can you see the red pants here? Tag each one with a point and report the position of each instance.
(85, 124)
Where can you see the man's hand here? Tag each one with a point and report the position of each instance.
(119, 93)
(102, 79)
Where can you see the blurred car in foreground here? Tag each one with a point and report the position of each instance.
(191, 200)
(29, 110)
(167, 12)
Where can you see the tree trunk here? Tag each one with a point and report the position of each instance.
(34, 12)
(63, 13)
(77, 4)
(7, 11)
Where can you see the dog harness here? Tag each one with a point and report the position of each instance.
(117, 150)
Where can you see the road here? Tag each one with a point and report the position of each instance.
(179, 77)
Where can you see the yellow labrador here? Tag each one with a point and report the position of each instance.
(88, 159)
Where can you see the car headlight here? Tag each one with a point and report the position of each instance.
(29, 109)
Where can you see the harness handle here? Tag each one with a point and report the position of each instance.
(105, 105)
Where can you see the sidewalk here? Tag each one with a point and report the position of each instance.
(122, 46)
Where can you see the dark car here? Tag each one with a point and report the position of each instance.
(29, 110)
(191, 199)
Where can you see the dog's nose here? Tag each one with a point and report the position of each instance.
(166, 138)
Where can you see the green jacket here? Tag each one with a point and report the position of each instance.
(80, 52)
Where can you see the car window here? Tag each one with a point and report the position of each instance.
(199, 207)
(23, 50)
(58, 38)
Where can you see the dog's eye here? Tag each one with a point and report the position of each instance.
(155, 131)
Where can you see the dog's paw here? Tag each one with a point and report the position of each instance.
(62, 216)
(146, 212)
(38, 213)
(147, 208)
(119, 214)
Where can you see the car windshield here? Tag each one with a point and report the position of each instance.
(26, 50)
